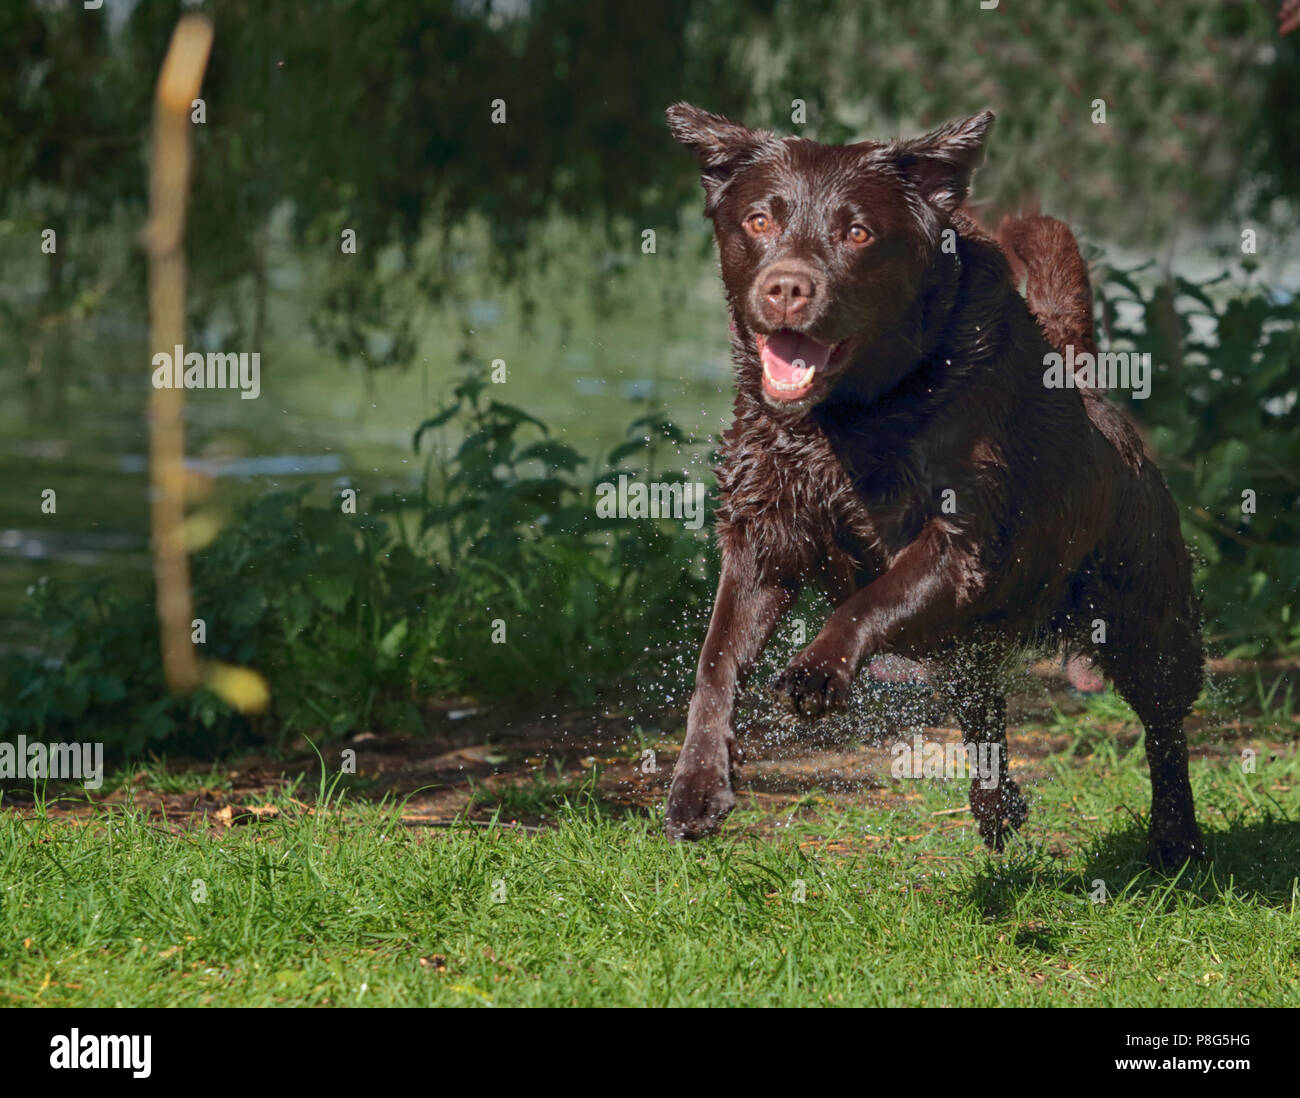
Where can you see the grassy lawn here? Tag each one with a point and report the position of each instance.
(815, 898)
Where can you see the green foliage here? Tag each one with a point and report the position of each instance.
(1173, 82)
(375, 115)
(108, 677)
(1223, 420)
(356, 620)
(513, 535)
(369, 115)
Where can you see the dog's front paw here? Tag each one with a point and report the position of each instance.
(814, 683)
(701, 793)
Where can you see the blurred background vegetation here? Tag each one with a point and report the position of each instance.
(523, 242)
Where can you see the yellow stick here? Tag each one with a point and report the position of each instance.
(178, 86)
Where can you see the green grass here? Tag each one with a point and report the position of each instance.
(541, 797)
(156, 776)
(348, 905)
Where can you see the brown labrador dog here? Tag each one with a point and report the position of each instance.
(897, 442)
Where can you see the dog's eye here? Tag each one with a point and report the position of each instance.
(758, 224)
(859, 234)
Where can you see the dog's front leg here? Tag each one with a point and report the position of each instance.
(745, 612)
(913, 604)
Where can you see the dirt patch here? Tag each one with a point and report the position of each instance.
(478, 762)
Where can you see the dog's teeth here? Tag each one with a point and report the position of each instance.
(804, 381)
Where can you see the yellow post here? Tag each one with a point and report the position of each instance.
(178, 87)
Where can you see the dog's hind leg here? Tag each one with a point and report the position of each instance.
(970, 680)
(1154, 655)
(1160, 679)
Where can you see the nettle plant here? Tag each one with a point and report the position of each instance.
(494, 579)
(1223, 417)
(511, 529)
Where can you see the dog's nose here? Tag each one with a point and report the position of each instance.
(787, 293)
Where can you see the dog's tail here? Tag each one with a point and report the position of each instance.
(1043, 252)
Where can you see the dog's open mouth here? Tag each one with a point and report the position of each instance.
(790, 363)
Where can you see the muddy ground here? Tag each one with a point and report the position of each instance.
(465, 767)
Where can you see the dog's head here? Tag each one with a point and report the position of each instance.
(825, 248)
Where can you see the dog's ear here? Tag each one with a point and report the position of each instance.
(941, 163)
(720, 145)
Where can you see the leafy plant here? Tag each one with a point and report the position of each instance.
(496, 579)
(1224, 421)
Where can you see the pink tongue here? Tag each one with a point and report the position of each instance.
(786, 352)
